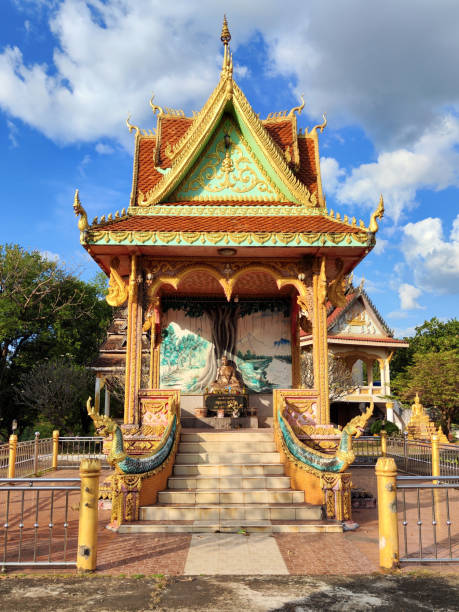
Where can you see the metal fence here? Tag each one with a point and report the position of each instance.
(73, 449)
(39, 521)
(415, 457)
(4, 457)
(367, 449)
(428, 510)
(34, 457)
(31, 457)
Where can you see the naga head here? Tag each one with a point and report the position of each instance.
(104, 424)
(356, 426)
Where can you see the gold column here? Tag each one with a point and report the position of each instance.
(12, 455)
(295, 344)
(133, 348)
(319, 338)
(55, 448)
(386, 473)
(155, 344)
(88, 516)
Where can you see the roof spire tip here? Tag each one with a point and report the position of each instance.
(225, 36)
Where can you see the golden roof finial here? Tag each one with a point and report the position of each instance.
(378, 214)
(227, 67)
(225, 36)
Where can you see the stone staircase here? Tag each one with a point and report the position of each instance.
(229, 481)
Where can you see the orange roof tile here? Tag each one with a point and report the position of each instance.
(286, 224)
(171, 130)
(307, 171)
(281, 132)
(147, 175)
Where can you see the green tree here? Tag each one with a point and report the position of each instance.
(435, 376)
(54, 392)
(45, 313)
(431, 337)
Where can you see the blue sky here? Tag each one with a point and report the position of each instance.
(386, 74)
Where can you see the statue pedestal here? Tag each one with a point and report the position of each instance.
(231, 404)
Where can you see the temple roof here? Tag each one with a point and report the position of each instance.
(231, 177)
(357, 322)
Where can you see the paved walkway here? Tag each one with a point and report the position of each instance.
(213, 554)
(234, 554)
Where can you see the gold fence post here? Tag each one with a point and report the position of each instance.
(55, 448)
(87, 523)
(383, 433)
(12, 455)
(386, 473)
(435, 456)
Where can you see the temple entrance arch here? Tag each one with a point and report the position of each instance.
(243, 312)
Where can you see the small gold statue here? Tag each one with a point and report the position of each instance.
(227, 379)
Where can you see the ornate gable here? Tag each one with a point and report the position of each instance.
(358, 318)
(228, 169)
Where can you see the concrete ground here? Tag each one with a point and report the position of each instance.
(409, 592)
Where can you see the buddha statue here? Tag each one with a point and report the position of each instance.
(227, 379)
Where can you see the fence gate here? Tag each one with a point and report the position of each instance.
(39, 521)
(428, 513)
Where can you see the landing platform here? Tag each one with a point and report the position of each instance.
(219, 423)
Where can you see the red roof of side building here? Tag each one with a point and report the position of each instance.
(316, 223)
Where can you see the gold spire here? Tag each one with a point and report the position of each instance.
(227, 67)
(225, 36)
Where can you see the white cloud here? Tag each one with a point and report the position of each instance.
(331, 174)
(434, 260)
(50, 256)
(241, 72)
(104, 149)
(408, 295)
(432, 162)
(12, 133)
(387, 68)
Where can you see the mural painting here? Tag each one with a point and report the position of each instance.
(258, 346)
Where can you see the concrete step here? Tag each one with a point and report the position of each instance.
(260, 469)
(228, 446)
(247, 512)
(229, 458)
(234, 496)
(233, 527)
(265, 435)
(229, 482)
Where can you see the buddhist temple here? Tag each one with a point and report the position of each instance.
(358, 334)
(224, 261)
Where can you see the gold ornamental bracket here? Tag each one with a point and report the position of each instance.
(336, 286)
(117, 289)
(80, 212)
(297, 109)
(320, 126)
(378, 214)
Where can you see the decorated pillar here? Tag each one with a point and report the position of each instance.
(370, 363)
(296, 348)
(153, 323)
(133, 346)
(319, 338)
